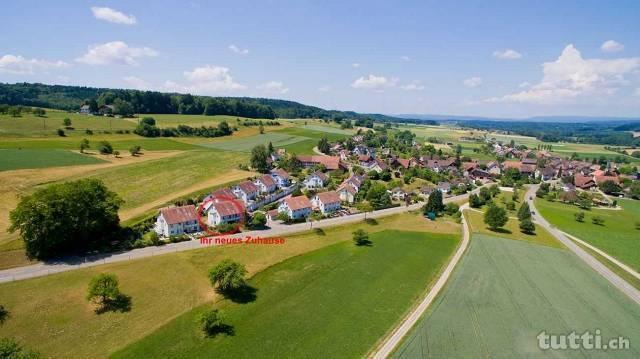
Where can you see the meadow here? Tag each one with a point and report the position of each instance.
(30, 125)
(504, 293)
(617, 236)
(12, 159)
(165, 287)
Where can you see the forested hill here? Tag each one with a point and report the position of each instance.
(126, 102)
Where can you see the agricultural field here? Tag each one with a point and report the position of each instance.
(245, 144)
(12, 159)
(618, 236)
(166, 287)
(30, 125)
(505, 292)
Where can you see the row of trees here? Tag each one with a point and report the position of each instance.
(147, 128)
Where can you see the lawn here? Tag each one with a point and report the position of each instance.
(49, 313)
(245, 144)
(504, 293)
(618, 235)
(11, 159)
(336, 302)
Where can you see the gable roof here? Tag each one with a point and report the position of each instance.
(328, 197)
(173, 215)
(583, 181)
(347, 187)
(247, 187)
(228, 208)
(267, 180)
(320, 175)
(330, 162)
(296, 203)
(280, 173)
(222, 194)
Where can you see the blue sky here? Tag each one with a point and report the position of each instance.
(485, 58)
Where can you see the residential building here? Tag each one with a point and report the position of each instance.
(174, 221)
(347, 192)
(316, 180)
(281, 177)
(330, 162)
(326, 202)
(246, 191)
(265, 184)
(225, 212)
(296, 207)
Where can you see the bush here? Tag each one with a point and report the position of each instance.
(60, 132)
(451, 208)
(212, 322)
(511, 206)
(12, 350)
(361, 238)
(526, 226)
(105, 148)
(579, 216)
(597, 220)
(228, 275)
(4, 314)
(135, 150)
(88, 132)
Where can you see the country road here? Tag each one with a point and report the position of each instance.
(43, 269)
(392, 341)
(608, 274)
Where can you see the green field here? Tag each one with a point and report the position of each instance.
(30, 125)
(161, 287)
(11, 159)
(617, 236)
(245, 144)
(504, 293)
(335, 302)
(119, 142)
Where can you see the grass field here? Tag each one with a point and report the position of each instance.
(245, 144)
(162, 288)
(119, 142)
(11, 159)
(30, 125)
(617, 236)
(352, 295)
(504, 293)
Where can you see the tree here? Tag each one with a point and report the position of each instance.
(495, 217)
(116, 153)
(514, 196)
(475, 201)
(105, 148)
(135, 150)
(270, 148)
(103, 289)
(259, 157)
(122, 108)
(434, 203)
(66, 218)
(610, 187)
(66, 122)
(4, 314)
(10, 349)
(259, 220)
(323, 145)
(524, 212)
(526, 226)
(60, 132)
(378, 196)
(84, 145)
(228, 275)
(597, 220)
(579, 216)
(361, 237)
(40, 112)
(451, 208)
(212, 322)
(261, 129)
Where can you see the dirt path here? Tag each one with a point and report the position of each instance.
(229, 176)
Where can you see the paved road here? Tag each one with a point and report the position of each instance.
(42, 269)
(613, 278)
(391, 342)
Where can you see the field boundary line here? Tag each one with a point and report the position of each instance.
(384, 350)
(623, 266)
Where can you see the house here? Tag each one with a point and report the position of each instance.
(493, 168)
(354, 180)
(398, 194)
(365, 160)
(444, 187)
(246, 191)
(281, 177)
(440, 165)
(527, 169)
(85, 109)
(225, 212)
(530, 161)
(106, 109)
(379, 165)
(344, 155)
(265, 184)
(512, 165)
(330, 162)
(566, 187)
(361, 150)
(425, 191)
(547, 173)
(347, 192)
(401, 163)
(467, 167)
(327, 202)
(221, 195)
(604, 178)
(584, 182)
(296, 207)
(278, 154)
(480, 174)
(174, 221)
(316, 180)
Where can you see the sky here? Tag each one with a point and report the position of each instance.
(511, 59)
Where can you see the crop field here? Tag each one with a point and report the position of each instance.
(332, 291)
(161, 287)
(245, 144)
(328, 129)
(11, 159)
(618, 235)
(119, 142)
(504, 293)
(31, 125)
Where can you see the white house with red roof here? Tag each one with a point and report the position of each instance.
(326, 202)
(246, 191)
(174, 221)
(265, 184)
(316, 180)
(296, 207)
(225, 212)
(281, 177)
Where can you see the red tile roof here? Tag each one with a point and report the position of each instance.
(224, 194)
(328, 197)
(601, 179)
(403, 162)
(267, 180)
(173, 215)
(583, 181)
(330, 162)
(281, 173)
(248, 187)
(299, 202)
(229, 208)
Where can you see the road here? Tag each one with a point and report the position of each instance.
(392, 341)
(608, 274)
(43, 269)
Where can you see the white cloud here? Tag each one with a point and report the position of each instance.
(571, 76)
(405, 58)
(373, 82)
(472, 82)
(274, 87)
(611, 46)
(115, 52)
(137, 83)
(16, 64)
(238, 50)
(637, 92)
(207, 79)
(524, 84)
(111, 15)
(507, 54)
(324, 88)
(413, 86)
(355, 65)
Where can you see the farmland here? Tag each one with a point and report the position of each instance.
(617, 236)
(504, 293)
(11, 159)
(49, 322)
